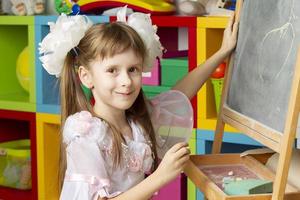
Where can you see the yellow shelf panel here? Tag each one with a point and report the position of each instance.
(48, 144)
(212, 22)
(210, 124)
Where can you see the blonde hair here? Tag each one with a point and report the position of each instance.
(104, 40)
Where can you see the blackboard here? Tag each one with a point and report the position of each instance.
(264, 61)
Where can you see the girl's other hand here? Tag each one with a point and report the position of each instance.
(173, 162)
(230, 36)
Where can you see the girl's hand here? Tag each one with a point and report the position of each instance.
(230, 36)
(173, 162)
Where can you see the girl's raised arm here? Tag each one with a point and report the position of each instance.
(193, 81)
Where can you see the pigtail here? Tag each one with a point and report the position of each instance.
(72, 100)
(72, 96)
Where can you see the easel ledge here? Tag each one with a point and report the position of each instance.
(254, 162)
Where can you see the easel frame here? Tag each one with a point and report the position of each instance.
(279, 142)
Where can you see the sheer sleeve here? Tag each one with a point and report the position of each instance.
(86, 176)
(172, 118)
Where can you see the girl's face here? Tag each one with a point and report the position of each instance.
(116, 80)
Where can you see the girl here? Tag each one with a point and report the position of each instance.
(111, 144)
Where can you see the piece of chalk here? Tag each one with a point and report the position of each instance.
(248, 186)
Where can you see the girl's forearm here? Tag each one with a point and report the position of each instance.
(193, 81)
(144, 190)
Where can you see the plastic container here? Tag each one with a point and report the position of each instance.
(217, 86)
(172, 70)
(15, 164)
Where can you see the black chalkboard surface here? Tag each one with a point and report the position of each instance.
(264, 61)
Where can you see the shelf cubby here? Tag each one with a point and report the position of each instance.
(16, 125)
(16, 33)
(48, 146)
(209, 39)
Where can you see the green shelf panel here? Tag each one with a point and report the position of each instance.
(17, 20)
(15, 34)
(19, 106)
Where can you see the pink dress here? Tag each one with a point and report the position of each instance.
(90, 174)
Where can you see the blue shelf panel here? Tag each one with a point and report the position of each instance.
(47, 108)
(47, 86)
(237, 138)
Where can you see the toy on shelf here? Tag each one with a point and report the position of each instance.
(27, 7)
(217, 79)
(22, 69)
(157, 7)
(62, 7)
(19, 7)
(72, 8)
(153, 77)
(204, 7)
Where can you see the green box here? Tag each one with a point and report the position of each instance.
(152, 91)
(172, 70)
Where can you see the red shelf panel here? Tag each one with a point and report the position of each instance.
(14, 194)
(19, 125)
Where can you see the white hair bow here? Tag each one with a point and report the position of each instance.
(142, 24)
(64, 35)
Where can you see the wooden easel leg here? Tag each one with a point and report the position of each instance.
(218, 136)
(289, 136)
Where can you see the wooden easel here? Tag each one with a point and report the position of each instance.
(281, 143)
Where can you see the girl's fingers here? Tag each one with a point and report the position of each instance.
(235, 28)
(178, 146)
(230, 22)
(182, 161)
(182, 152)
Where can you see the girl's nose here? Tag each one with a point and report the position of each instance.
(125, 79)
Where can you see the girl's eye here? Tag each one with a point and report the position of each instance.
(133, 69)
(112, 70)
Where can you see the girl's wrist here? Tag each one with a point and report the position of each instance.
(158, 178)
(224, 51)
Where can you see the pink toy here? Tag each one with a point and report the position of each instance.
(153, 77)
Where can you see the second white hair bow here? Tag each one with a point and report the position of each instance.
(142, 24)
